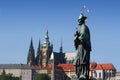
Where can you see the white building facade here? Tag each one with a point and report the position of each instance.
(17, 70)
(102, 71)
(117, 76)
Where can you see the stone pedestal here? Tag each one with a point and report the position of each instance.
(74, 78)
(79, 79)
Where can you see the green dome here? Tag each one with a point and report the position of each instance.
(44, 44)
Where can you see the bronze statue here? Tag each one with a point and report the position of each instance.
(83, 47)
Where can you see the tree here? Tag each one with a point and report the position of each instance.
(5, 76)
(42, 77)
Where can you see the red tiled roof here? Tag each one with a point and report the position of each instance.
(99, 67)
(71, 67)
(49, 67)
(117, 72)
(67, 67)
(93, 65)
(108, 66)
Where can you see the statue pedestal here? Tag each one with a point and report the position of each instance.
(75, 78)
(79, 79)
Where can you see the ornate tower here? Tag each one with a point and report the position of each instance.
(46, 50)
(31, 55)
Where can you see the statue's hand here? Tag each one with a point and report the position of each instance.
(77, 33)
(75, 44)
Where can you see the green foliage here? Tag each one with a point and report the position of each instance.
(5, 76)
(42, 77)
(68, 78)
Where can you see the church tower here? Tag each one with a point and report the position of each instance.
(31, 55)
(62, 55)
(46, 50)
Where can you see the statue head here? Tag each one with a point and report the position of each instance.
(81, 19)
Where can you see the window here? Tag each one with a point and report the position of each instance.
(95, 74)
(99, 74)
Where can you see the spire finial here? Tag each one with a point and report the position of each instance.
(39, 43)
(47, 38)
(31, 43)
(47, 32)
(61, 48)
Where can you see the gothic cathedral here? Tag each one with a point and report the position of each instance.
(44, 51)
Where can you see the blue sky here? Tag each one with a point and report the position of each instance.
(22, 19)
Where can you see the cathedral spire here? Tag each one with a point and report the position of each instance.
(31, 44)
(31, 54)
(61, 48)
(38, 50)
